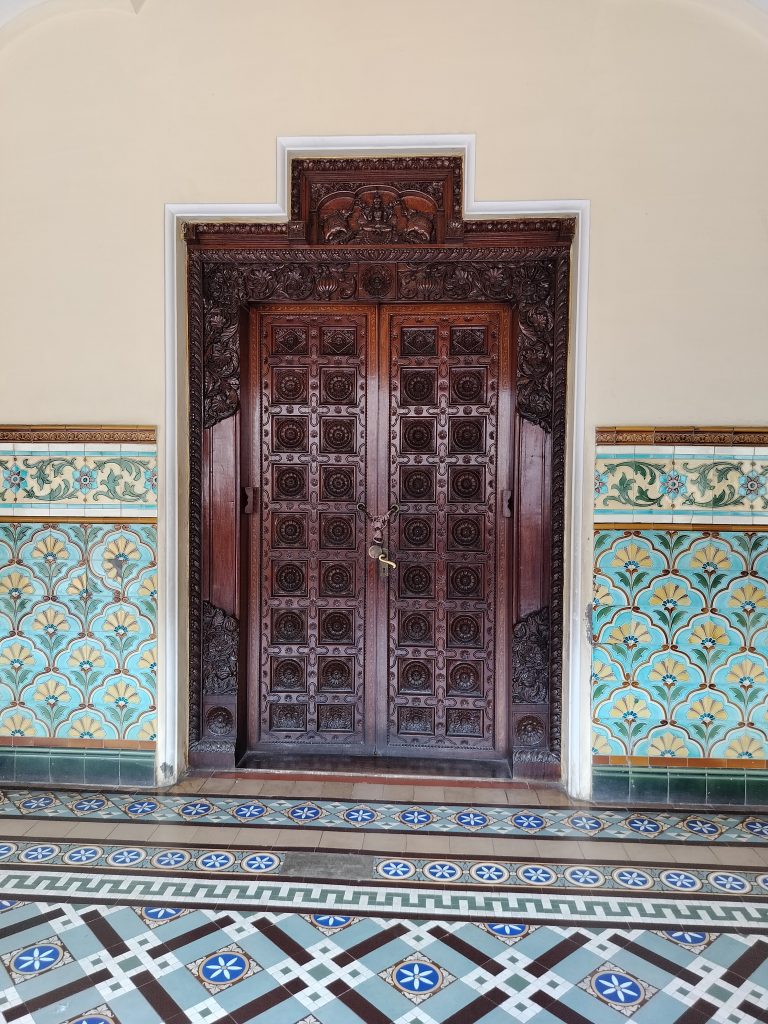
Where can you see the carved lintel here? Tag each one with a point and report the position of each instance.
(377, 215)
(529, 658)
(221, 637)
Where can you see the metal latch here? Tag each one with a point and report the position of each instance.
(249, 500)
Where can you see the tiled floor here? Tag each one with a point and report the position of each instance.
(453, 905)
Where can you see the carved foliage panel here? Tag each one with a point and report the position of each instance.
(312, 546)
(443, 473)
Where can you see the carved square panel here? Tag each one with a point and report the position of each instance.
(337, 483)
(466, 533)
(416, 721)
(289, 530)
(417, 434)
(418, 386)
(467, 385)
(290, 385)
(466, 484)
(338, 341)
(464, 678)
(337, 530)
(463, 722)
(289, 626)
(418, 341)
(416, 676)
(337, 579)
(289, 579)
(289, 483)
(288, 717)
(465, 629)
(290, 341)
(530, 730)
(417, 580)
(337, 626)
(335, 674)
(468, 341)
(338, 434)
(335, 718)
(288, 675)
(290, 434)
(338, 386)
(416, 628)
(465, 581)
(417, 483)
(417, 532)
(466, 435)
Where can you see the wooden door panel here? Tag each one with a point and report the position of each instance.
(449, 444)
(309, 583)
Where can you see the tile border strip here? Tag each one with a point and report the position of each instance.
(735, 436)
(386, 817)
(296, 896)
(139, 858)
(72, 434)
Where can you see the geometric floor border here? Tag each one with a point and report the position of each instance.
(388, 817)
(250, 895)
(134, 860)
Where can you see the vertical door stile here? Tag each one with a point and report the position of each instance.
(375, 599)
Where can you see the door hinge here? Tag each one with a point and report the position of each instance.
(248, 501)
(506, 504)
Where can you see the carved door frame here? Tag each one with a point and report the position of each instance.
(376, 230)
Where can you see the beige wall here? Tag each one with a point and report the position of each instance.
(655, 110)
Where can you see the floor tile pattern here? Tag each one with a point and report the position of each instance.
(87, 964)
(139, 858)
(373, 816)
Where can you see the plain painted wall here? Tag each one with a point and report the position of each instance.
(654, 110)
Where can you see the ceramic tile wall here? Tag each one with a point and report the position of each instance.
(78, 610)
(680, 611)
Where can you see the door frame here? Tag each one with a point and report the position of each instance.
(464, 145)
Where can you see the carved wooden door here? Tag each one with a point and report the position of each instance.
(354, 411)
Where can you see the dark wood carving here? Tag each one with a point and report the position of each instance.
(309, 378)
(520, 263)
(445, 459)
(529, 658)
(222, 634)
(376, 215)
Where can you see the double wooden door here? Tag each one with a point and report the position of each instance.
(353, 413)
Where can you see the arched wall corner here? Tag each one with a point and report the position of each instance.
(21, 13)
(173, 539)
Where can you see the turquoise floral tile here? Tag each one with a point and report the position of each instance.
(680, 656)
(78, 631)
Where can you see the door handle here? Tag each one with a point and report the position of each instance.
(506, 504)
(249, 500)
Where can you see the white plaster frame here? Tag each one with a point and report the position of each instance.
(576, 656)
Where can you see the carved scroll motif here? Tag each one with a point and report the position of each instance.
(221, 633)
(529, 658)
